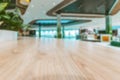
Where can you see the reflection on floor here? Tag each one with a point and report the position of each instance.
(107, 44)
(52, 59)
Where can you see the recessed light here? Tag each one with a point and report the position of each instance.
(54, 3)
(25, 2)
(32, 6)
(27, 12)
(44, 12)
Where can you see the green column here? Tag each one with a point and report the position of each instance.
(108, 24)
(39, 30)
(63, 31)
(59, 34)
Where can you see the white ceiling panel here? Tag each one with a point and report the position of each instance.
(38, 9)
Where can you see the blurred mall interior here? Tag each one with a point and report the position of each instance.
(59, 39)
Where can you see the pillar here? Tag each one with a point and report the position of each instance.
(59, 34)
(39, 30)
(108, 24)
(63, 31)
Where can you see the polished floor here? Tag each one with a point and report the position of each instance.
(52, 59)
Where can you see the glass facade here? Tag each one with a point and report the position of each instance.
(69, 33)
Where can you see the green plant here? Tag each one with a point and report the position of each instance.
(25, 26)
(9, 20)
(3, 6)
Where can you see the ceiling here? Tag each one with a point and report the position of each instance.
(86, 8)
(53, 22)
(38, 8)
(102, 7)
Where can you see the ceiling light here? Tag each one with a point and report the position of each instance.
(32, 6)
(27, 13)
(44, 12)
(25, 2)
(28, 1)
(54, 3)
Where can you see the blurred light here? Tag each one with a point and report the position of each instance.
(25, 2)
(52, 21)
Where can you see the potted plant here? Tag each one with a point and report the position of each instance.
(9, 21)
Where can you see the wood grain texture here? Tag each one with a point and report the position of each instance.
(52, 59)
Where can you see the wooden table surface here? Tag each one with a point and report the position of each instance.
(53, 59)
